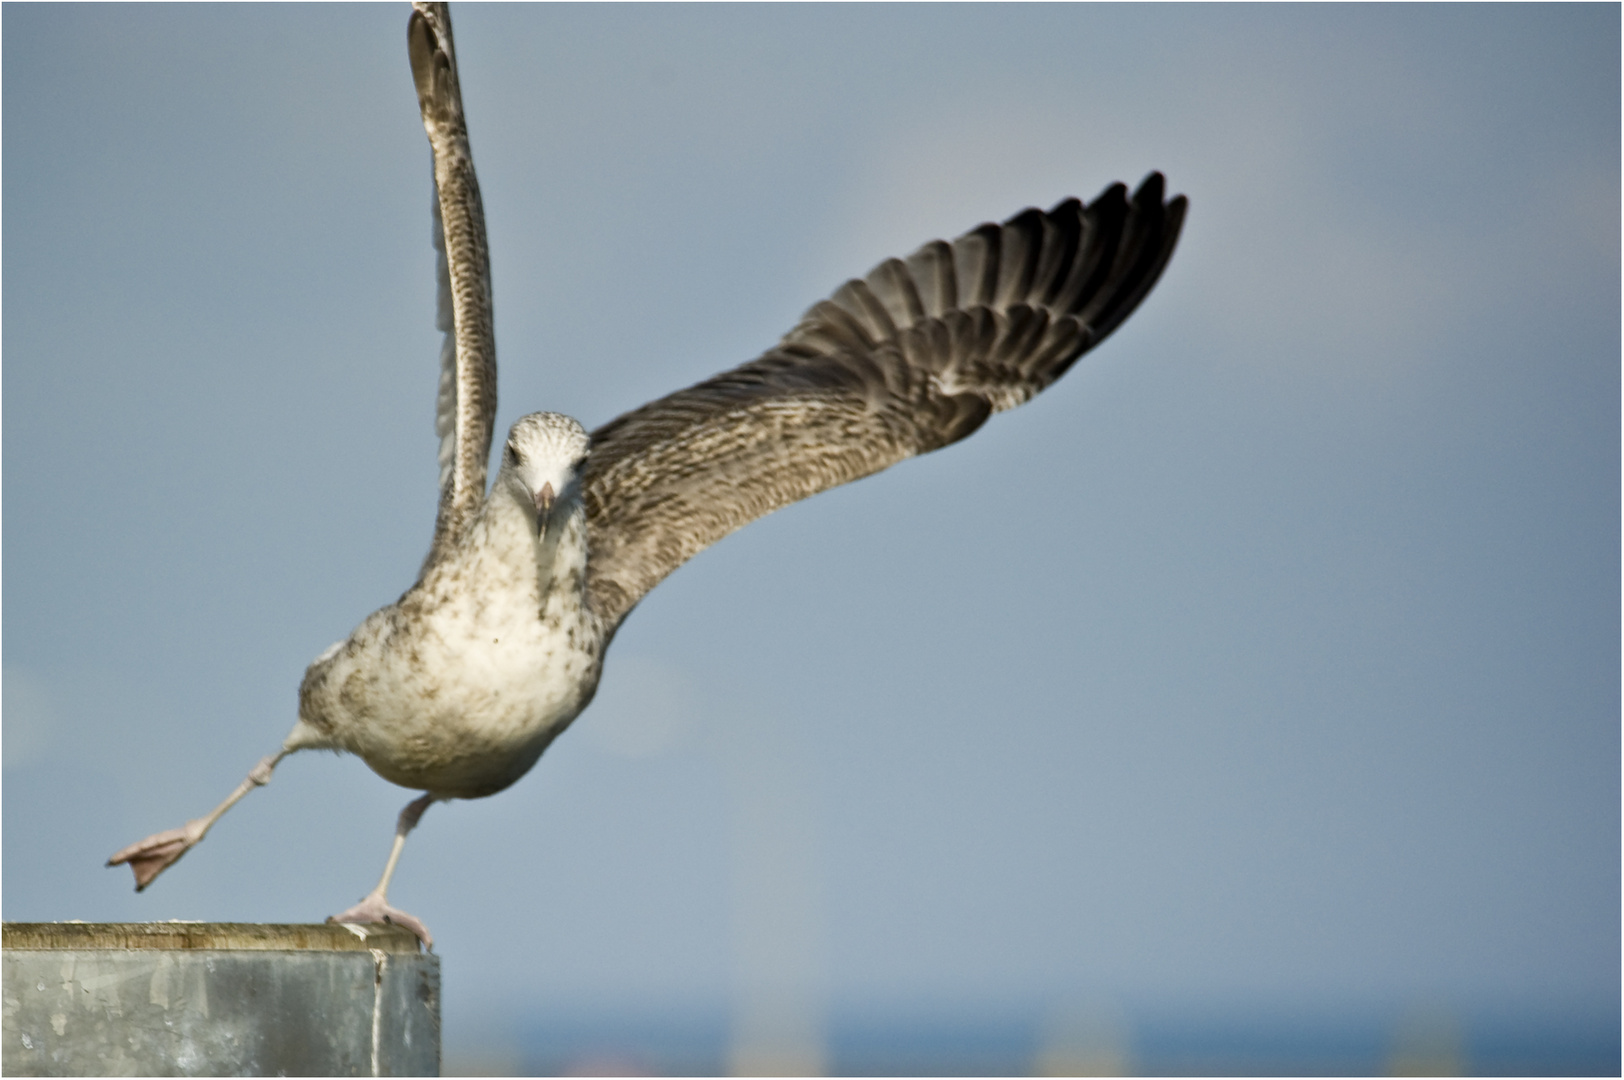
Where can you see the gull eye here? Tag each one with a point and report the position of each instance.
(512, 456)
(578, 464)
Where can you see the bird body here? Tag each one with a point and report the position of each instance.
(458, 687)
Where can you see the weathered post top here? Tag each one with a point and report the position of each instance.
(280, 937)
(211, 999)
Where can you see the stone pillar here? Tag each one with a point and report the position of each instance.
(217, 999)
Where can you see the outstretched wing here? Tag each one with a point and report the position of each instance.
(466, 409)
(912, 358)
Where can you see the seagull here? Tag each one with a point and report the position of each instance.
(457, 688)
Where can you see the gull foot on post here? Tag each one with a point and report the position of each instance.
(372, 909)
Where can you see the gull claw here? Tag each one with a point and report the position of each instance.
(152, 856)
(372, 909)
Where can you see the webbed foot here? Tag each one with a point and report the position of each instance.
(372, 909)
(152, 856)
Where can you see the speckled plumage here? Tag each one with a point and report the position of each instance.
(466, 406)
(458, 687)
(910, 359)
(907, 360)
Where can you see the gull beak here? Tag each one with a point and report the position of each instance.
(544, 507)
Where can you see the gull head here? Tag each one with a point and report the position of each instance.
(543, 461)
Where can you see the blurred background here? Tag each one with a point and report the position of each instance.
(1249, 702)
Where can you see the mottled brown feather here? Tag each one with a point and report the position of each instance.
(912, 358)
(467, 405)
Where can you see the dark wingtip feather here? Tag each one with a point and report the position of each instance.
(1151, 189)
(1150, 230)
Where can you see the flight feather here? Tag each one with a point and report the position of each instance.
(466, 407)
(909, 359)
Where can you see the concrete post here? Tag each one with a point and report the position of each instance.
(216, 999)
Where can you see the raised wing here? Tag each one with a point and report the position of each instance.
(466, 409)
(912, 358)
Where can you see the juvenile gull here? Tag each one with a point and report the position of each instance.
(458, 687)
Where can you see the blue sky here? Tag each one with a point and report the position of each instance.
(1268, 661)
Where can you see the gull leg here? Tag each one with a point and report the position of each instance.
(150, 857)
(373, 907)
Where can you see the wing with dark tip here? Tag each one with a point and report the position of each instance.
(466, 409)
(911, 358)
